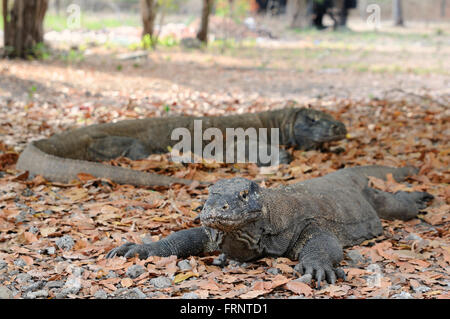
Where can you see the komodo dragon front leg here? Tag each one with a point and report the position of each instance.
(183, 243)
(109, 147)
(319, 253)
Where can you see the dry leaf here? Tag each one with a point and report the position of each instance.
(253, 294)
(126, 282)
(299, 288)
(183, 276)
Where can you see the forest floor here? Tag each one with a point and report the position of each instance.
(392, 90)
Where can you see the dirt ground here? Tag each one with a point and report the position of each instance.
(391, 89)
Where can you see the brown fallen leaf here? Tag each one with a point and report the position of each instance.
(8, 159)
(75, 194)
(84, 177)
(27, 238)
(126, 282)
(286, 269)
(253, 294)
(47, 231)
(27, 259)
(299, 288)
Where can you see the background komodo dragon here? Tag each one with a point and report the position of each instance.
(61, 157)
(309, 221)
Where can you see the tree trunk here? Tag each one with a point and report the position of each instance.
(443, 8)
(58, 7)
(397, 12)
(342, 9)
(202, 34)
(149, 9)
(23, 27)
(300, 13)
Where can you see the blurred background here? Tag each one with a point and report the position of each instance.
(216, 56)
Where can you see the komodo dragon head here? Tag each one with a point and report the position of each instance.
(232, 204)
(313, 128)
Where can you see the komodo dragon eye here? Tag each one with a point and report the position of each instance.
(244, 195)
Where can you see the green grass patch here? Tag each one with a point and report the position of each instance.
(90, 22)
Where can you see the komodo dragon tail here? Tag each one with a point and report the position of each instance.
(63, 170)
(399, 174)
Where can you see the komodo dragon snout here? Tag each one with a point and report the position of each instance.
(232, 203)
(313, 128)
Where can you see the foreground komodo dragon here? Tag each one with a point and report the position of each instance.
(309, 221)
(61, 157)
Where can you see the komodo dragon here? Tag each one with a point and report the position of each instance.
(61, 157)
(308, 221)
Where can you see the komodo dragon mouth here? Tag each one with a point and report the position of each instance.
(230, 222)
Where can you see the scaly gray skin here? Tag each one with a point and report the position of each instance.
(61, 157)
(309, 221)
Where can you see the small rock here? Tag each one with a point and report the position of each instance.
(34, 286)
(373, 268)
(161, 282)
(21, 217)
(72, 285)
(138, 293)
(13, 272)
(27, 192)
(413, 237)
(402, 295)
(37, 294)
(125, 293)
(184, 265)
(306, 279)
(395, 287)
(20, 262)
(355, 257)
(100, 294)
(76, 271)
(3, 264)
(135, 271)
(220, 260)
(50, 250)
(190, 295)
(65, 242)
(23, 278)
(421, 289)
(33, 230)
(55, 284)
(5, 293)
(273, 271)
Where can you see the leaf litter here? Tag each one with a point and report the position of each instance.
(59, 233)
